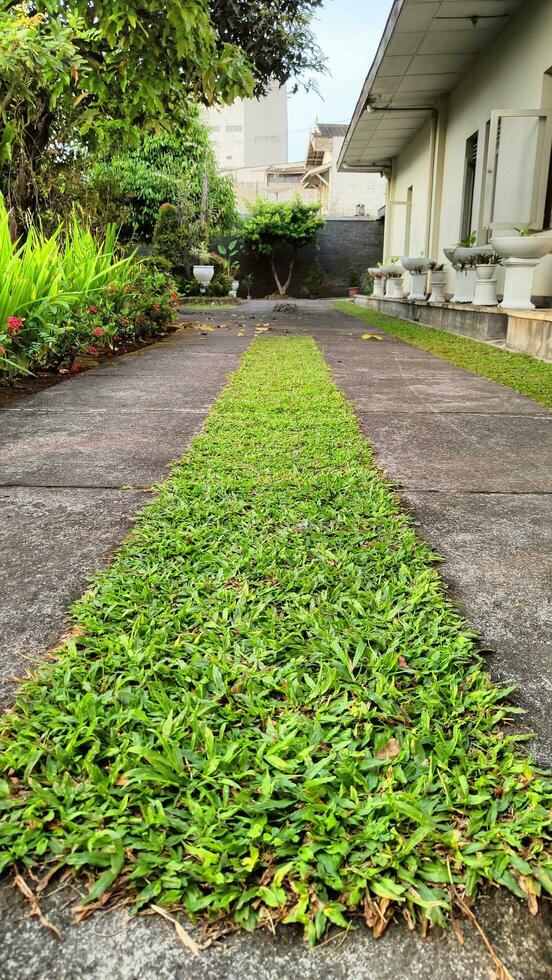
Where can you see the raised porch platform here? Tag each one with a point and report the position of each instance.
(527, 331)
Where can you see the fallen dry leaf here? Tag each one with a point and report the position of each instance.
(370, 336)
(390, 750)
(184, 936)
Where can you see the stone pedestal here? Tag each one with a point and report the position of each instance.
(379, 288)
(394, 287)
(464, 286)
(485, 293)
(518, 284)
(418, 286)
(437, 283)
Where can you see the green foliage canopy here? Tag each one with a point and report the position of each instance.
(166, 166)
(273, 228)
(94, 73)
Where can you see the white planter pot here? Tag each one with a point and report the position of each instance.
(418, 286)
(410, 263)
(203, 274)
(394, 288)
(390, 267)
(521, 246)
(521, 255)
(464, 286)
(485, 271)
(235, 286)
(379, 288)
(485, 286)
(438, 282)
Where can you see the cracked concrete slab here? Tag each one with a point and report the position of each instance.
(51, 541)
(110, 947)
(491, 453)
(498, 551)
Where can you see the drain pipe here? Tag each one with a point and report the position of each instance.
(431, 179)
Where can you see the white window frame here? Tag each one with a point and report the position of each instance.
(540, 176)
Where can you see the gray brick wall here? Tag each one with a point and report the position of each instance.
(342, 242)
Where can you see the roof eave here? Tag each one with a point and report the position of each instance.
(363, 98)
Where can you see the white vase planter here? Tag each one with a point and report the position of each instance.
(464, 286)
(485, 286)
(394, 288)
(379, 288)
(521, 255)
(438, 282)
(418, 282)
(235, 286)
(203, 274)
(412, 262)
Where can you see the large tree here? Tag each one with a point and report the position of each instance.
(129, 187)
(97, 72)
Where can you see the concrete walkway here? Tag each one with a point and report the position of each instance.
(475, 463)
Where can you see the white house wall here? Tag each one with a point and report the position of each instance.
(411, 170)
(349, 189)
(509, 75)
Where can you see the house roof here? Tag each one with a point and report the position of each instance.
(332, 129)
(425, 51)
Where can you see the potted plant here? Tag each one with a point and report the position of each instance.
(394, 285)
(437, 282)
(462, 256)
(378, 278)
(418, 268)
(248, 280)
(203, 271)
(354, 281)
(520, 255)
(485, 285)
(229, 253)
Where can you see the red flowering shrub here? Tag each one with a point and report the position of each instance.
(13, 325)
(123, 313)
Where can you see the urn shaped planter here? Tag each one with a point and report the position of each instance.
(437, 286)
(485, 286)
(418, 282)
(235, 286)
(418, 268)
(379, 282)
(394, 287)
(464, 280)
(203, 274)
(521, 254)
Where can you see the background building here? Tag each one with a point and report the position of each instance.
(250, 132)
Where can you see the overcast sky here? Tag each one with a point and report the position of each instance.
(348, 31)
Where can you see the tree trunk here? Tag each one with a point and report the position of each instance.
(22, 193)
(283, 287)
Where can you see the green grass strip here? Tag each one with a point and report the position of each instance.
(274, 709)
(521, 372)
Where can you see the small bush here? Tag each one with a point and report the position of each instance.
(220, 286)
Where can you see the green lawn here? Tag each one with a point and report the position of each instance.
(273, 709)
(521, 372)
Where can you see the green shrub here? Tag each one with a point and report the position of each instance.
(220, 286)
(314, 279)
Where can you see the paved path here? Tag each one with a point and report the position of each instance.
(475, 463)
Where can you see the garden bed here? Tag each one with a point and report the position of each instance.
(208, 302)
(269, 709)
